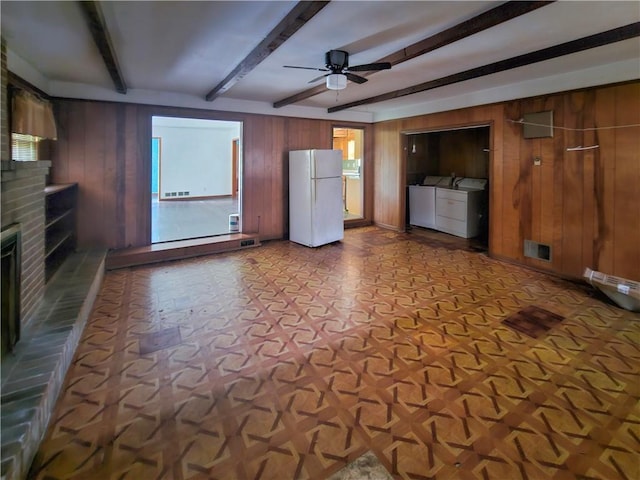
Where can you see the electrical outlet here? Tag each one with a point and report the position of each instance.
(537, 161)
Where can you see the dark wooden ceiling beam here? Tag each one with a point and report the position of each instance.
(100, 34)
(600, 39)
(290, 24)
(488, 19)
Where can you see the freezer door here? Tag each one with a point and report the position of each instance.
(300, 163)
(326, 163)
(327, 219)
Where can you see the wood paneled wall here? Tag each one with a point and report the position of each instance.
(106, 148)
(585, 204)
(462, 152)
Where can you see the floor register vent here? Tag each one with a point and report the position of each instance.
(537, 250)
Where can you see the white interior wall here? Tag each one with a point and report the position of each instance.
(195, 156)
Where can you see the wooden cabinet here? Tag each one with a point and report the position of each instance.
(60, 225)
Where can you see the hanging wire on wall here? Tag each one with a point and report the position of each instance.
(589, 129)
(580, 148)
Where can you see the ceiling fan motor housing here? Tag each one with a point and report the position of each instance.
(336, 60)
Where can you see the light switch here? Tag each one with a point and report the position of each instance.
(537, 161)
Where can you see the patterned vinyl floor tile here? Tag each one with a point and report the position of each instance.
(285, 362)
(533, 321)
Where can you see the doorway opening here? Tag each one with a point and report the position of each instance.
(351, 142)
(196, 172)
(447, 178)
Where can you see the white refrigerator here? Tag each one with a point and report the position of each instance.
(315, 197)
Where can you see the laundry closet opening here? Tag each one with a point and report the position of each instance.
(447, 177)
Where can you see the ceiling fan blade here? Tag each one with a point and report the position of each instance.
(370, 66)
(307, 68)
(355, 78)
(319, 78)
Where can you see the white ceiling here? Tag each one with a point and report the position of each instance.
(173, 53)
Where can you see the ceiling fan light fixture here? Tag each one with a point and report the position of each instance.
(336, 81)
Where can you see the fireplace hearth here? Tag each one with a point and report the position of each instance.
(32, 375)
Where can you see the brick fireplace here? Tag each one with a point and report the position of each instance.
(22, 187)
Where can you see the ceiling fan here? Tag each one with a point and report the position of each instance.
(337, 64)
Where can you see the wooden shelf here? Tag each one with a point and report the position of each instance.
(60, 226)
(56, 242)
(52, 189)
(59, 217)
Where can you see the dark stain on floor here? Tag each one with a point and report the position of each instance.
(533, 321)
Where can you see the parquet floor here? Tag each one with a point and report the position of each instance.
(286, 362)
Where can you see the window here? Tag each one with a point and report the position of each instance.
(32, 120)
(24, 148)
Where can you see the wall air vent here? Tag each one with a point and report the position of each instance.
(537, 250)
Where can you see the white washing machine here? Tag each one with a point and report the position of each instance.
(422, 201)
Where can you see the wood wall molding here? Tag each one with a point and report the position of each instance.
(95, 21)
(290, 24)
(605, 38)
(491, 18)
